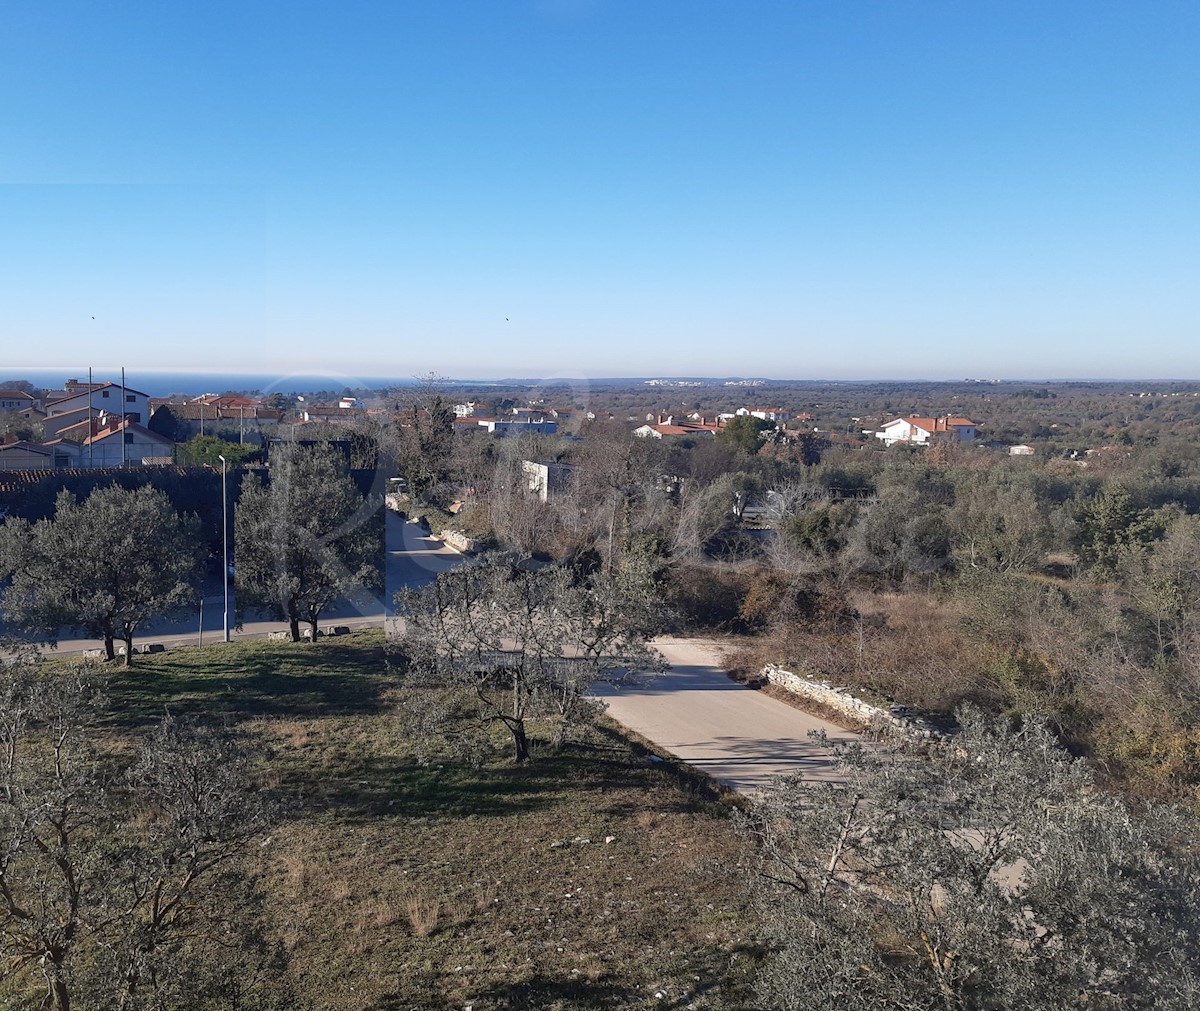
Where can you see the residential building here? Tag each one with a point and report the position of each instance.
(332, 413)
(518, 424)
(546, 479)
(16, 400)
(113, 442)
(18, 454)
(916, 431)
(112, 398)
(667, 426)
(776, 414)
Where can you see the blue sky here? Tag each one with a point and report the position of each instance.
(536, 187)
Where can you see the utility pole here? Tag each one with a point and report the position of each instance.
(123, 432)
(91, 423)
(225, 541)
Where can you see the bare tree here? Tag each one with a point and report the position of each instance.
(526, 643)
(100, 870)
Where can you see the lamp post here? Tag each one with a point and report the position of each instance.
(225, 541)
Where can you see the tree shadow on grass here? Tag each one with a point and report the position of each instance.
(374, 787)
(697, 790)
(541, 992)
(714, 967)
(286, 679)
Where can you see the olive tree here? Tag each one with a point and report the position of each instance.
(984, 872)
(107, 866)
(305, 537)
(104, 565)
(527, 643)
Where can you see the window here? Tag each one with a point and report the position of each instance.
(128, 438)
(131, 398)
(104, 394)
(134, 416)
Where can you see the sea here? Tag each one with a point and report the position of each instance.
(194, 384)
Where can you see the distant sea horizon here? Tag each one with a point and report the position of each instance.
(185, 382)
(160, 383)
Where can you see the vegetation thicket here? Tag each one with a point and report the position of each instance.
(1055, 583)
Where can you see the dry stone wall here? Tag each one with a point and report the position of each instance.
(839, 700)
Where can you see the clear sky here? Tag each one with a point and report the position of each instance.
(786, 188)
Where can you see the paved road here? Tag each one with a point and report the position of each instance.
(739, 736)
(413, 557)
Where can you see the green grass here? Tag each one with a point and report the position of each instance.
(410, 874)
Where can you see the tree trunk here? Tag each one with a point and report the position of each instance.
(312, 623)
(520, 742)
(109, 650)
(59, 997)
(128, 640)
(559, 739)
(294, 622)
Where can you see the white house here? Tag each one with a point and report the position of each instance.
(518, 425)
(108, 397)
(1021, 450)
(546, 479)
(916, 431)
(766, 413)
(56, 424)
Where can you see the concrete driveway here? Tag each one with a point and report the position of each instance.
(739, 736)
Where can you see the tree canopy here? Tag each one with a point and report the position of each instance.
(305, 537)
(104, 565)
(103, 860)
(744, 432)
(207, 450)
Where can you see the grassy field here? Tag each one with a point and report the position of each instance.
(410, 871)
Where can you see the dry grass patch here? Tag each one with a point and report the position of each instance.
(414, 872)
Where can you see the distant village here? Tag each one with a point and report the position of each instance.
(109, 424)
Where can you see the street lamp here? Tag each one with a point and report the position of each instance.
(225, 540)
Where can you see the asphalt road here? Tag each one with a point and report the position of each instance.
(737, 735)
(413, 557)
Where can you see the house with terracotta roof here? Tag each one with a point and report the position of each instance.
(914, 431)
(669, 427)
